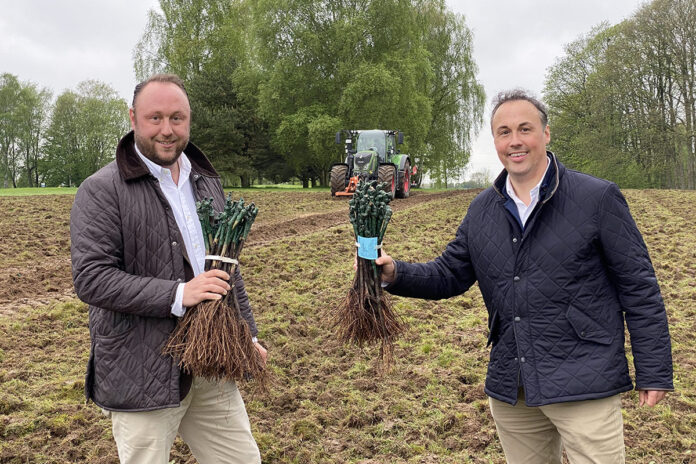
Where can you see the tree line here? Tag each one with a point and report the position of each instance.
(57, 142)
(622, 100)
(272, 82)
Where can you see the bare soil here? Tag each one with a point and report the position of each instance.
(35, 236)
(328, 403)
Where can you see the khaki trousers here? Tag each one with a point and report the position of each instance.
(212, 420)
(590, 431)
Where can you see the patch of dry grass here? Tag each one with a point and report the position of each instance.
(328, 402)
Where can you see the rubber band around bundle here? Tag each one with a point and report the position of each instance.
(221, 258)
(357, 245)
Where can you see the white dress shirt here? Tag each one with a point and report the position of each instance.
(525, 210)
(183, 203)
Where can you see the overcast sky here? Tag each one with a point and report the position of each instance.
(59, 44)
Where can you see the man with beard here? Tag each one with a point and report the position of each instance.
(138, 261)
(561, 265)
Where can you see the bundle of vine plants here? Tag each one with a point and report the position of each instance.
(212, 339)
(366, 316)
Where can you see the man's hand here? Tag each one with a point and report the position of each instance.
(210, 285)
(387, 263)
(650, 397)
(262, 351)
(387, 266)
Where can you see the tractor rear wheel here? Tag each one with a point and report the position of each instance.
(404, 187)
(339, 173)
(387, 174)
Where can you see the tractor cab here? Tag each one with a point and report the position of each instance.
(372, 155)
(375, 142)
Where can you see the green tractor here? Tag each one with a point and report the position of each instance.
(372, 155)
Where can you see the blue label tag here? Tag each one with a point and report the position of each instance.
(367, 247)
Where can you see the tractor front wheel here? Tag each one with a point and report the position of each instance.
(339, 173)
(387, 174)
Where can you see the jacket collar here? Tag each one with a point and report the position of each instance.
(548, 186)
(131, 167)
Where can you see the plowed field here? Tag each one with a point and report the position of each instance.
(329, 403)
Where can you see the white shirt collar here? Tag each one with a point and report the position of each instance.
(160, 172)
(533, 193)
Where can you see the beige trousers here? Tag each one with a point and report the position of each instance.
(212, 420)
(590, 431)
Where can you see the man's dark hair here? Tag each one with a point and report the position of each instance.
(164, 78)
(520, 94)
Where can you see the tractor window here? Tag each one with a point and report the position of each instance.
(372, 140)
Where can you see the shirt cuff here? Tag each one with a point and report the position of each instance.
(254, 339)
(178, 306)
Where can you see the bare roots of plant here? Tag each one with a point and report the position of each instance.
(214, 342)
(366, 316)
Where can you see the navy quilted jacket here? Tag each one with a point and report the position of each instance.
(557, 292)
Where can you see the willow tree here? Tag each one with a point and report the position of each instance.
(458, 99)
(305, 68)
(389, 64)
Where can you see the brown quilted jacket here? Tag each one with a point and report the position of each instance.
(127, 260)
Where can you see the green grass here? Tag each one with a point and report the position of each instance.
(329, 402)
(27, 191)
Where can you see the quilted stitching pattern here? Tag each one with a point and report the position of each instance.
(557, 293)
(127, 261)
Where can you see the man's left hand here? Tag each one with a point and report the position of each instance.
(650, 397)
(262, 351)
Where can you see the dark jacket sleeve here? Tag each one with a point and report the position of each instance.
(448, 275)
(633, 275)
(97, 256)
(243, 299)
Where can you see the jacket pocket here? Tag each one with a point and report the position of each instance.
(587, 328)
(112, 367)
(493, 324)
(498, 295)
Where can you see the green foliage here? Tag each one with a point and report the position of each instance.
(77, 138)
(321, 143)
(457, 97)
(10, 89)
(621, 100)
(225, 124)
(376, 64)
(23, 112)
(275, 80)
(84, 130)
(207, 43)
(187, 35)
(292, 136)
